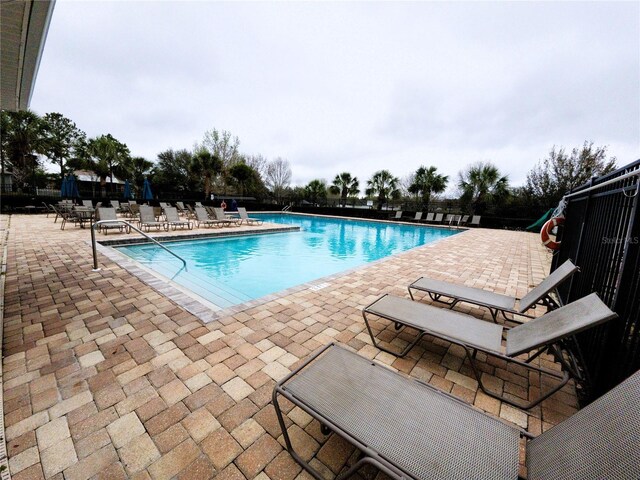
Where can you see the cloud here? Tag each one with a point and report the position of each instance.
(351, 86)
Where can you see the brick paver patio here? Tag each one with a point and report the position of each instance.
(104, 377)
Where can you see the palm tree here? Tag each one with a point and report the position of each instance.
(138, 168)
(384, 185)
(105, 156)
(316, 191)
(207, 166)
(426, 182)
(345, 186)
(482, 183)
(24, 137)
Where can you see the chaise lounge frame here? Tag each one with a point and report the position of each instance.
(495, 302)
(553, 332)
(409, 429)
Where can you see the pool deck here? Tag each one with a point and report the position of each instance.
(104, 376)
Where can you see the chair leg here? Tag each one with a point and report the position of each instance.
(562, 377)
(406, 350)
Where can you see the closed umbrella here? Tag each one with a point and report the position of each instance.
(127, 190)
(63, 187)
(146, 190)
(72, 187)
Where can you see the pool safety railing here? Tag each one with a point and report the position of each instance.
(126, 224)
(287, 208)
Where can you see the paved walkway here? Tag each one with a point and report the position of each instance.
(104, 377)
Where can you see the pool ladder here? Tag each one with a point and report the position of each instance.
(123, 222)
(287, 208)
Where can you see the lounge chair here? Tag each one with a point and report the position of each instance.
(463, 220)
(106, 213)
(246, 219)
(173, 220)
(87, 203)
(218, 214)
(428, 218)
(416, 218)
(496, 302)
(148, 219)
(438, 218)
(544, 333)
(398, 216)
(182, 210)
(409, 429)
(202, 218)
(475, 221)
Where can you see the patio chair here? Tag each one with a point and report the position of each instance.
(87, 203)
(173, 220)
(408, 429)
(438, 218)
(182, 210)
(228, 221)
(416, 218)
(398, 216)
(550, 332)
(48, 209)
(475, 221)
(148, 219)
(496, 302)
(463, 220)
(109, 213)
(202, 218)
(116, 204)
(199, 204)
(67, 216)
(246, 219)
(191, 212)
(428, 218)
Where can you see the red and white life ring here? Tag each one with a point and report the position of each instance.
(546, 231)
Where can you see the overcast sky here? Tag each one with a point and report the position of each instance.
(352, 87)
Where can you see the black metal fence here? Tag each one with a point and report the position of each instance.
(602, 236)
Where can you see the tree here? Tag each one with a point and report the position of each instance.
(222, 145)
(482, 184)
(556, 175)
(316, 191)
(278, 177)
(383, 185)
(242, 174)
(137, 168)
(105, 156)
(63, 137)
(345, 186)
(172, 173)
(24, 137)
(258, 163)
(208, 167)
(427, 182)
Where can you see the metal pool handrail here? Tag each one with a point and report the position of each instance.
(101, 222)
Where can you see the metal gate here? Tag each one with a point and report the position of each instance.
(602, 237)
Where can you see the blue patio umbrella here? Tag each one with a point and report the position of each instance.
(63, 187)
(127, 190)
(72, 187)
(146, 190)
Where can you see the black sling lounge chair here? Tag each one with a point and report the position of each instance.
(408, 429)
(551, 332)
(495, 302)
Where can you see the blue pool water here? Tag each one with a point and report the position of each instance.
(232, 270)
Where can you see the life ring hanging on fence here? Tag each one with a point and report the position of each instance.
(546, 231)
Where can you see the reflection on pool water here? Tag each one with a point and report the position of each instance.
(232, 270)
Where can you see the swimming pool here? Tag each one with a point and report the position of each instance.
(231, 270)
